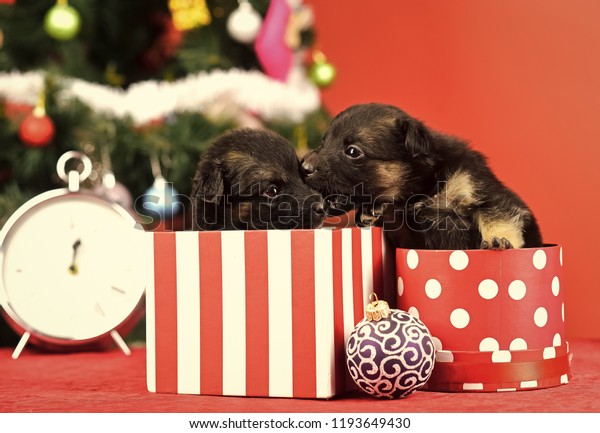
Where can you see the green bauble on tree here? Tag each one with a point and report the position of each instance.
(322, 73)
(62, 21)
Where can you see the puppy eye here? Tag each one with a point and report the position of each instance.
(272, 191)
(353, 152)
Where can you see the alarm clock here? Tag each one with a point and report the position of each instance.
(71, 273)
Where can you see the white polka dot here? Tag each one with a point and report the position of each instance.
(472, 386)
(400, 286)
(488, 289)
(555, 286)
(459, 318)
(488, 344)
(560, 256)
(529, 384)
(506, 389)
(412, 259)
(437, 343)
(459, 260)
(433, 288)
(564, 379)
(556, 341)
(501, 356)
(444, 356)
(563, 311)
(517, 290)
(539, 259)
(518, 344)
(549, 353)
(413, 312)
(540, 317)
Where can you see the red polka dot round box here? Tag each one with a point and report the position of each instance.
(497, 317)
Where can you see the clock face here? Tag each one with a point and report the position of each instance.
(71, 266)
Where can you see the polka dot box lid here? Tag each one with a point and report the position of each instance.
(496, 317)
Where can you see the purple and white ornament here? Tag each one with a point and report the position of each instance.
(390, 354)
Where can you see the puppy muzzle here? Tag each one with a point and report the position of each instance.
(309, 164)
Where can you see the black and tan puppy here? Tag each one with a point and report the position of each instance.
(427, 189)
(251, 179)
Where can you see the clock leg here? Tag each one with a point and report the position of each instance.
(21, 345)
(120, 342)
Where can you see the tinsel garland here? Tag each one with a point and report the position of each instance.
(146, 101)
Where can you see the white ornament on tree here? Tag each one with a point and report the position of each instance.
(161, 198)
(110, 189)
(114, 191)
(244, 23)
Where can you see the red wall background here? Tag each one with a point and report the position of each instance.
(520, 80)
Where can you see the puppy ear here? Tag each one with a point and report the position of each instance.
(208, 183)
(416, 136)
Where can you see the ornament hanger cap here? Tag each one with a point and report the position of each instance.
(377, 310)
(319, 56)
(40, 105)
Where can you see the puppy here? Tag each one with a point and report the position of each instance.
(428, 190)
(251, 179)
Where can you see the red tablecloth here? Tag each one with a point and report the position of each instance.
(111, 382)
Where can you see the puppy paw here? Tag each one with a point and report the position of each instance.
(423, 205)
(366, 220)
(496, 243)
(372, 215)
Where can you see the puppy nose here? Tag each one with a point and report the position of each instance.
(308, 163)
(308, 168)
(319, 209)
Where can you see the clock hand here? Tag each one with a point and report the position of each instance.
(73, 267)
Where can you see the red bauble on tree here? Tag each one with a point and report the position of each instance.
(166, 41)
(37, 129)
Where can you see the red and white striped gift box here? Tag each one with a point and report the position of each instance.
(497, 317)
(259, 313)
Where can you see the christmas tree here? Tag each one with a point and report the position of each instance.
(142, 87)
